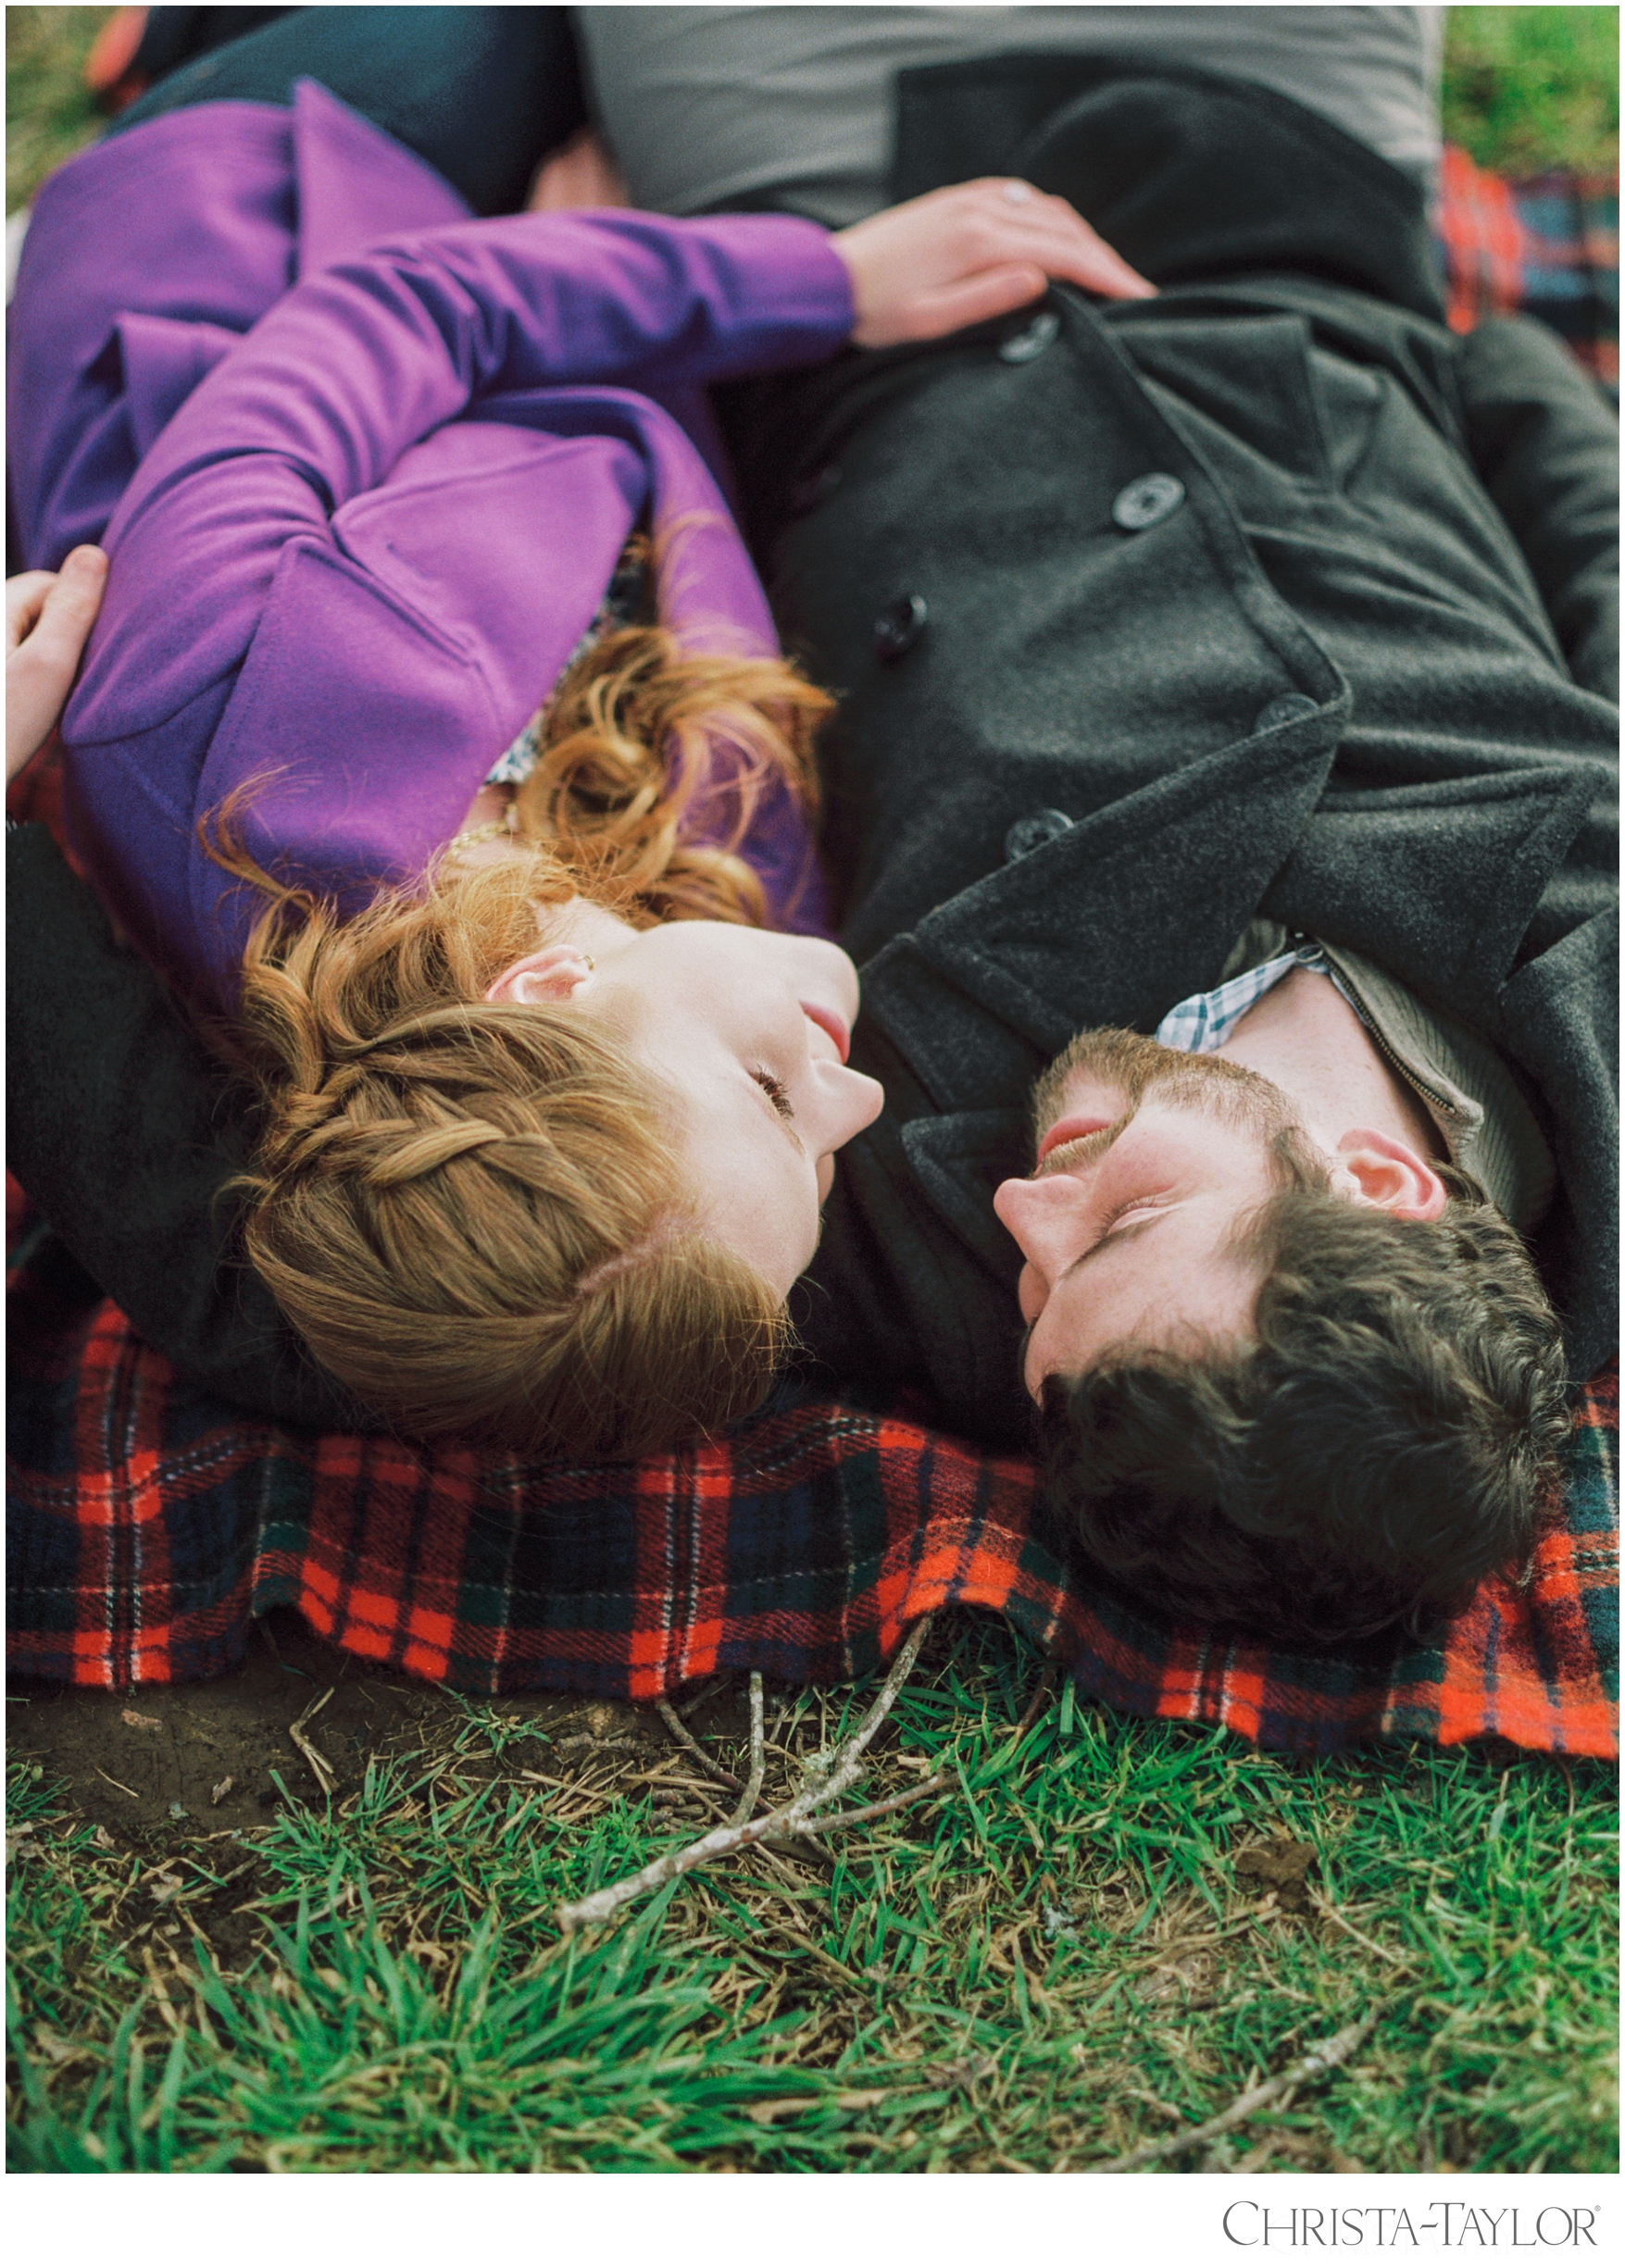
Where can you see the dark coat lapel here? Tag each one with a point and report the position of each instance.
(1108, 923)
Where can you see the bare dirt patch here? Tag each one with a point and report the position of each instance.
(166, 1763)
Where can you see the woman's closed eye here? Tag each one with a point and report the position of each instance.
(775, 1090)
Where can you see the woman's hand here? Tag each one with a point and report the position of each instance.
(48, 618)
(964, 255)
(580, 175)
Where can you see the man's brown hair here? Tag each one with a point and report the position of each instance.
(1383, 1441)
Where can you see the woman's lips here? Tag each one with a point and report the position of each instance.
(826, 1020)
(1068, 1130)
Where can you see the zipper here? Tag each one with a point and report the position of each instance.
(1394, 1061)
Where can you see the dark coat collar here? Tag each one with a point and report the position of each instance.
(1108, 924)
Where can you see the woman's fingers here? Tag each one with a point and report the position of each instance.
(1049, 231)
(964, 255)
(1069, 256)
(998, 290)
(25, 595)
(48, 618)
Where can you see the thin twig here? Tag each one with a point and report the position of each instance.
(1321, 1905)
(1042, 1692)
(117, 1783)
(677, 1783)
(716, 1845)
(720, 1841)
(316, 1760)
(849, 1762)
(759, 1756)
(698, 1701)
(877, 1810)
(684, 1738)
(311, 1753)
(314, 1710)
(1313, 2066)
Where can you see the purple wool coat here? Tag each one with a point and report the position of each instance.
(363, 466)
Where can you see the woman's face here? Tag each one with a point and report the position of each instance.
(748, 1030)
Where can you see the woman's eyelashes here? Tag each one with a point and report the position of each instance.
(775, 1090)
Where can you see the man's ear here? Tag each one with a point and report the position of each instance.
(1375, 1169)
(543, 979)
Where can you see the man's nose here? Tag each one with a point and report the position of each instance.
(1045, 1217)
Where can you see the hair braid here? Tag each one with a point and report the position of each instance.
(470, 1209)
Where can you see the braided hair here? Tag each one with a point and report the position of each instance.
(472, 1210)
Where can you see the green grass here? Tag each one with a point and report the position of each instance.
(1525, 88)
(48, 114)
(1056, 1962)
(1528, 88)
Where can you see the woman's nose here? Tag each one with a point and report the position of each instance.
(863, 1099)
(1044, 1217)
(853, 1101)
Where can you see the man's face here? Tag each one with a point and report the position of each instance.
(1151, 1165)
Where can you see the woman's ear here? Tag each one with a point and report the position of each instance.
(1376, 1169)
(543, 979)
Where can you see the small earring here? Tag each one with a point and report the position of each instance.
(591, 962)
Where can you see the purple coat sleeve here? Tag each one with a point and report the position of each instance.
(220, 207)
(344, 566)
(401, 342)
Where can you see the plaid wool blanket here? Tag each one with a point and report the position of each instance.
(1548, 246)
(149, 1525)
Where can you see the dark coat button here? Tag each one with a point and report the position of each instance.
(897, 628)
(1147, 500)
(1033, 832)
(1029, 342)
(807, 495)
(1283, 710)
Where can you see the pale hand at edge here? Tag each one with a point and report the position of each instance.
(48, 618)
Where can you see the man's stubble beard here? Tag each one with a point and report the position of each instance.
(1136, 1066)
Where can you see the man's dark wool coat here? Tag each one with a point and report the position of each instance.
(1290, 601)
(1269, 596)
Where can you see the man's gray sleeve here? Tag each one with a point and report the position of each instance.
(1547, 448)
(116, 1128)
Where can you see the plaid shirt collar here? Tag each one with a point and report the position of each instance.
(1202, 1024)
